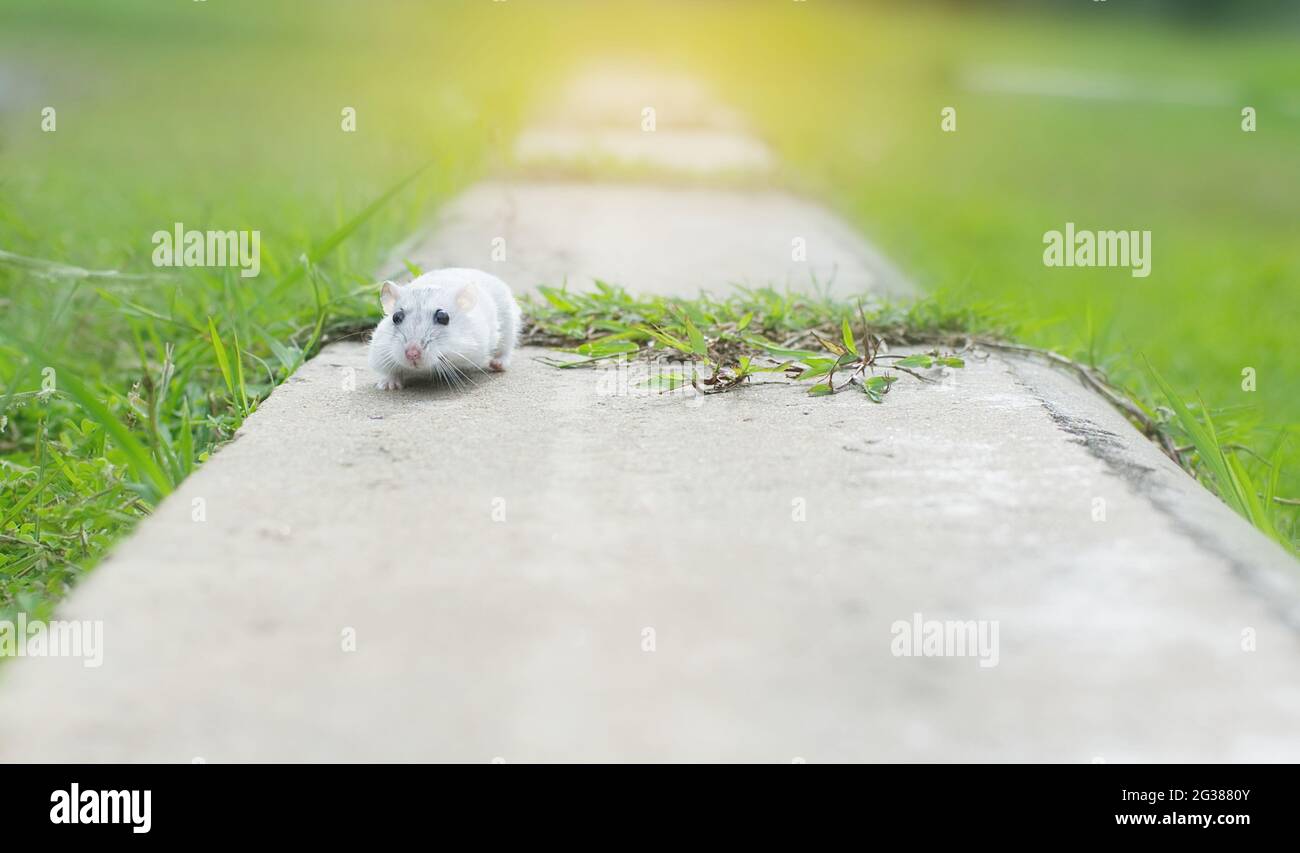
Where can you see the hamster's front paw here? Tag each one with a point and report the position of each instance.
(389, 384)
(499, 364)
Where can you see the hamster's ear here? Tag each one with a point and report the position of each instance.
(467, 298)
(388, 296)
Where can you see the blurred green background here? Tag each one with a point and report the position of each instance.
(225, 114)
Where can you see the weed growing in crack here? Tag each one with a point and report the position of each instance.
(755, 333)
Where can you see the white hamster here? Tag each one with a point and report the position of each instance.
(442, 324)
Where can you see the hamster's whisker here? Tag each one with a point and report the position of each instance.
(464, 374)
(454, 376)
(475, 366)
(441, 372)
(458, 376)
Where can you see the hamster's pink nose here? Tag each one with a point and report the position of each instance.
(413, 353)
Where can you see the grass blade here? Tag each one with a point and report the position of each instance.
(223, 361)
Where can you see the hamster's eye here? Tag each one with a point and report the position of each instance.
(398, 316)
(440, 317)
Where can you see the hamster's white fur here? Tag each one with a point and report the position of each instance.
(444, 324)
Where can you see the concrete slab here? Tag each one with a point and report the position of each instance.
(617, 93)
(505, 557)
(652, 239)
(693, 151)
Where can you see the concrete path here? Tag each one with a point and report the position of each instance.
(558, 566)
(653, 239)
(626, 117)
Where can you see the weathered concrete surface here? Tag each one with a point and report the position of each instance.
(500, 553)
(652, 239)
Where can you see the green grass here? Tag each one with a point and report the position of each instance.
(725, 343)
(226, 115)
(1224, 471)
(219, 115)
